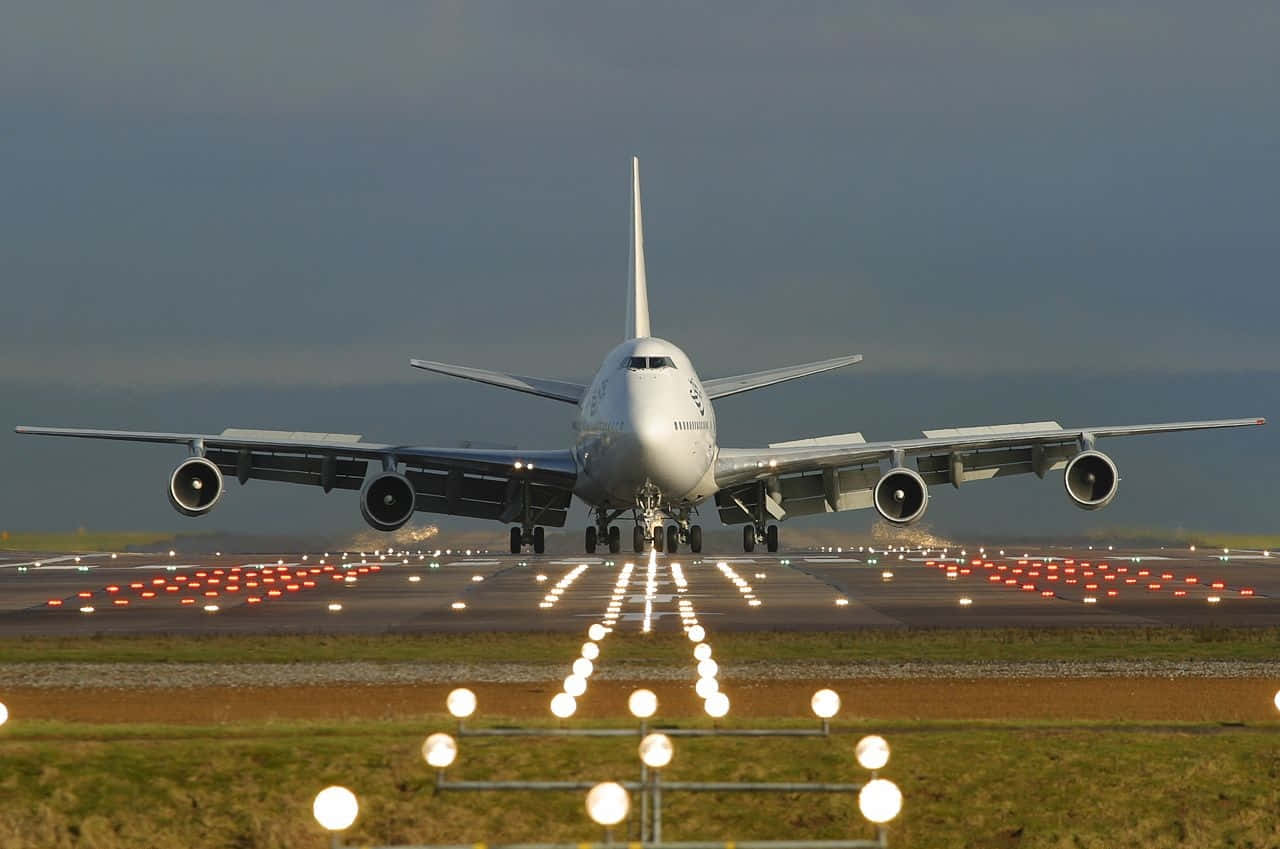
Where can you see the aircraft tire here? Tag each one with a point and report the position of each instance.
(515, 541)
(748, 539)
(657, 538)
(591, 539)
(771, 538)
(673, 539)
(615, 539)
(637, 540)
(695, 539)
(539, 540)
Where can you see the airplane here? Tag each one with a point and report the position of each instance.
(645, 451)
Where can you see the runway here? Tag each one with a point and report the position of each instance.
(415, 592)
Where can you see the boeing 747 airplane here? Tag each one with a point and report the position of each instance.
(645, 449)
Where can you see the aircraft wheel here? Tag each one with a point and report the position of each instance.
(695, 539)
(673, 539)
(516, 541)
(657, 538)
(637, 540)
(771, 538)
(615, 539)
(749, 539)
(591, 540)
(539, 540)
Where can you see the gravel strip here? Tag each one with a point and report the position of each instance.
(140, 676)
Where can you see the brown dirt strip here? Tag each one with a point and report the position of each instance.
(1103, 699)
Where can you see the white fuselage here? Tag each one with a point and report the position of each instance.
(645, 428)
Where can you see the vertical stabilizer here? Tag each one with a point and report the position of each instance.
(637, 288)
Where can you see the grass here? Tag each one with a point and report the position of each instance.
(878, 645)
(244, 784)
(81, 541)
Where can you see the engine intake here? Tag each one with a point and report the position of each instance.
(1091, 479)
(386, 502)
(195, 486)
(900, 496)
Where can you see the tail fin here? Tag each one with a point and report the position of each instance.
(637, 288)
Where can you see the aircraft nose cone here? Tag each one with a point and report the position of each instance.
(667, 460)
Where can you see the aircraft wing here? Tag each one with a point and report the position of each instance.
(828, 474)
(557, 390)
(721, 387)
(476, 482)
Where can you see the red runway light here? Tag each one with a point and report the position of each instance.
(1084, 563)
(54, 602)
(1108, 577)
(253, 599)
(315, 570)
(1123, 570)
(1219, 585)
(180, 579)
(1112, 593)
(231, 588)
(1090, 586)
(219, 572)
(308, 584)
(214, 581)
(156, 582)
(1010, 582)
(1022, 563)
(1153, 586)
(1131, 580)
(1070, 581)
(112, 588)
(1047, 593)
(1069, 562)
(1016, 571)
(121, 601)
(85, 594)
(172, 589)
(251, 584)
(1000, 568)
(274, 593)
(1088, 573)
(1179, 593)
(1192, 579)
(1052, 567)
(995, 579)
(148, 594)
(1246, 591)
(975, 562)
(194, 585)
(187, 601)
(1051, 577)
(136, 585)
(930, 563)
(202, 574)
(1142, 573)
(336, 577)
(1027, 588)
(1103, 567)
(966, 571)
(1166, 576)
(210, 593)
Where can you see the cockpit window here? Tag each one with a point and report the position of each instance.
(648, 362)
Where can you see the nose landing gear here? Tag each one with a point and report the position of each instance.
(535, 536)
(752, 534)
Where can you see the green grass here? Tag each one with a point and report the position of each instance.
(965, 785)
(889, 646)
(75, 542)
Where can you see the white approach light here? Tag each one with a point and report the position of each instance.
(575, 685)
(642, 704)
(1277, 700)
(708, 668)
(596, 632)
(656, 750)
(697, 634)
(590, 651)
(880, 800)
(583, 667)
(716, 705)
(872, 752)
(701, 651)
(439, 750)
(461, 702)
(825, 703)
(608, 803)
(563, 705)
(706, 687)
(335, 808)
(4, 711)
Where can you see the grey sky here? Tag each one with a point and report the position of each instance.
(279, 195)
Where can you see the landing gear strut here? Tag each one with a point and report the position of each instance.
(604, 532)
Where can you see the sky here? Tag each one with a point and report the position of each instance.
(243, 214)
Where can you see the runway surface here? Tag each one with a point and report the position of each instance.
(422, 592)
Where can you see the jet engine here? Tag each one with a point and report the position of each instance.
(901, 496)
(195, 486)
(386, 502)
(1091, 479)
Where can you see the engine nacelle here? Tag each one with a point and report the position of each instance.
(195, 486)
(386, 502)
(901, 496)
(1091, 479)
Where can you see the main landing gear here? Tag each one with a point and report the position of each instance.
(612, 538)
(752, 535)
(534, 536)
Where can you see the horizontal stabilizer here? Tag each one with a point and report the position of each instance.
(289, 435)
(815, 441)
(992, 430)
(723, 386)
(558, 390)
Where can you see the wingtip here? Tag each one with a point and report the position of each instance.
(1261, 421)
